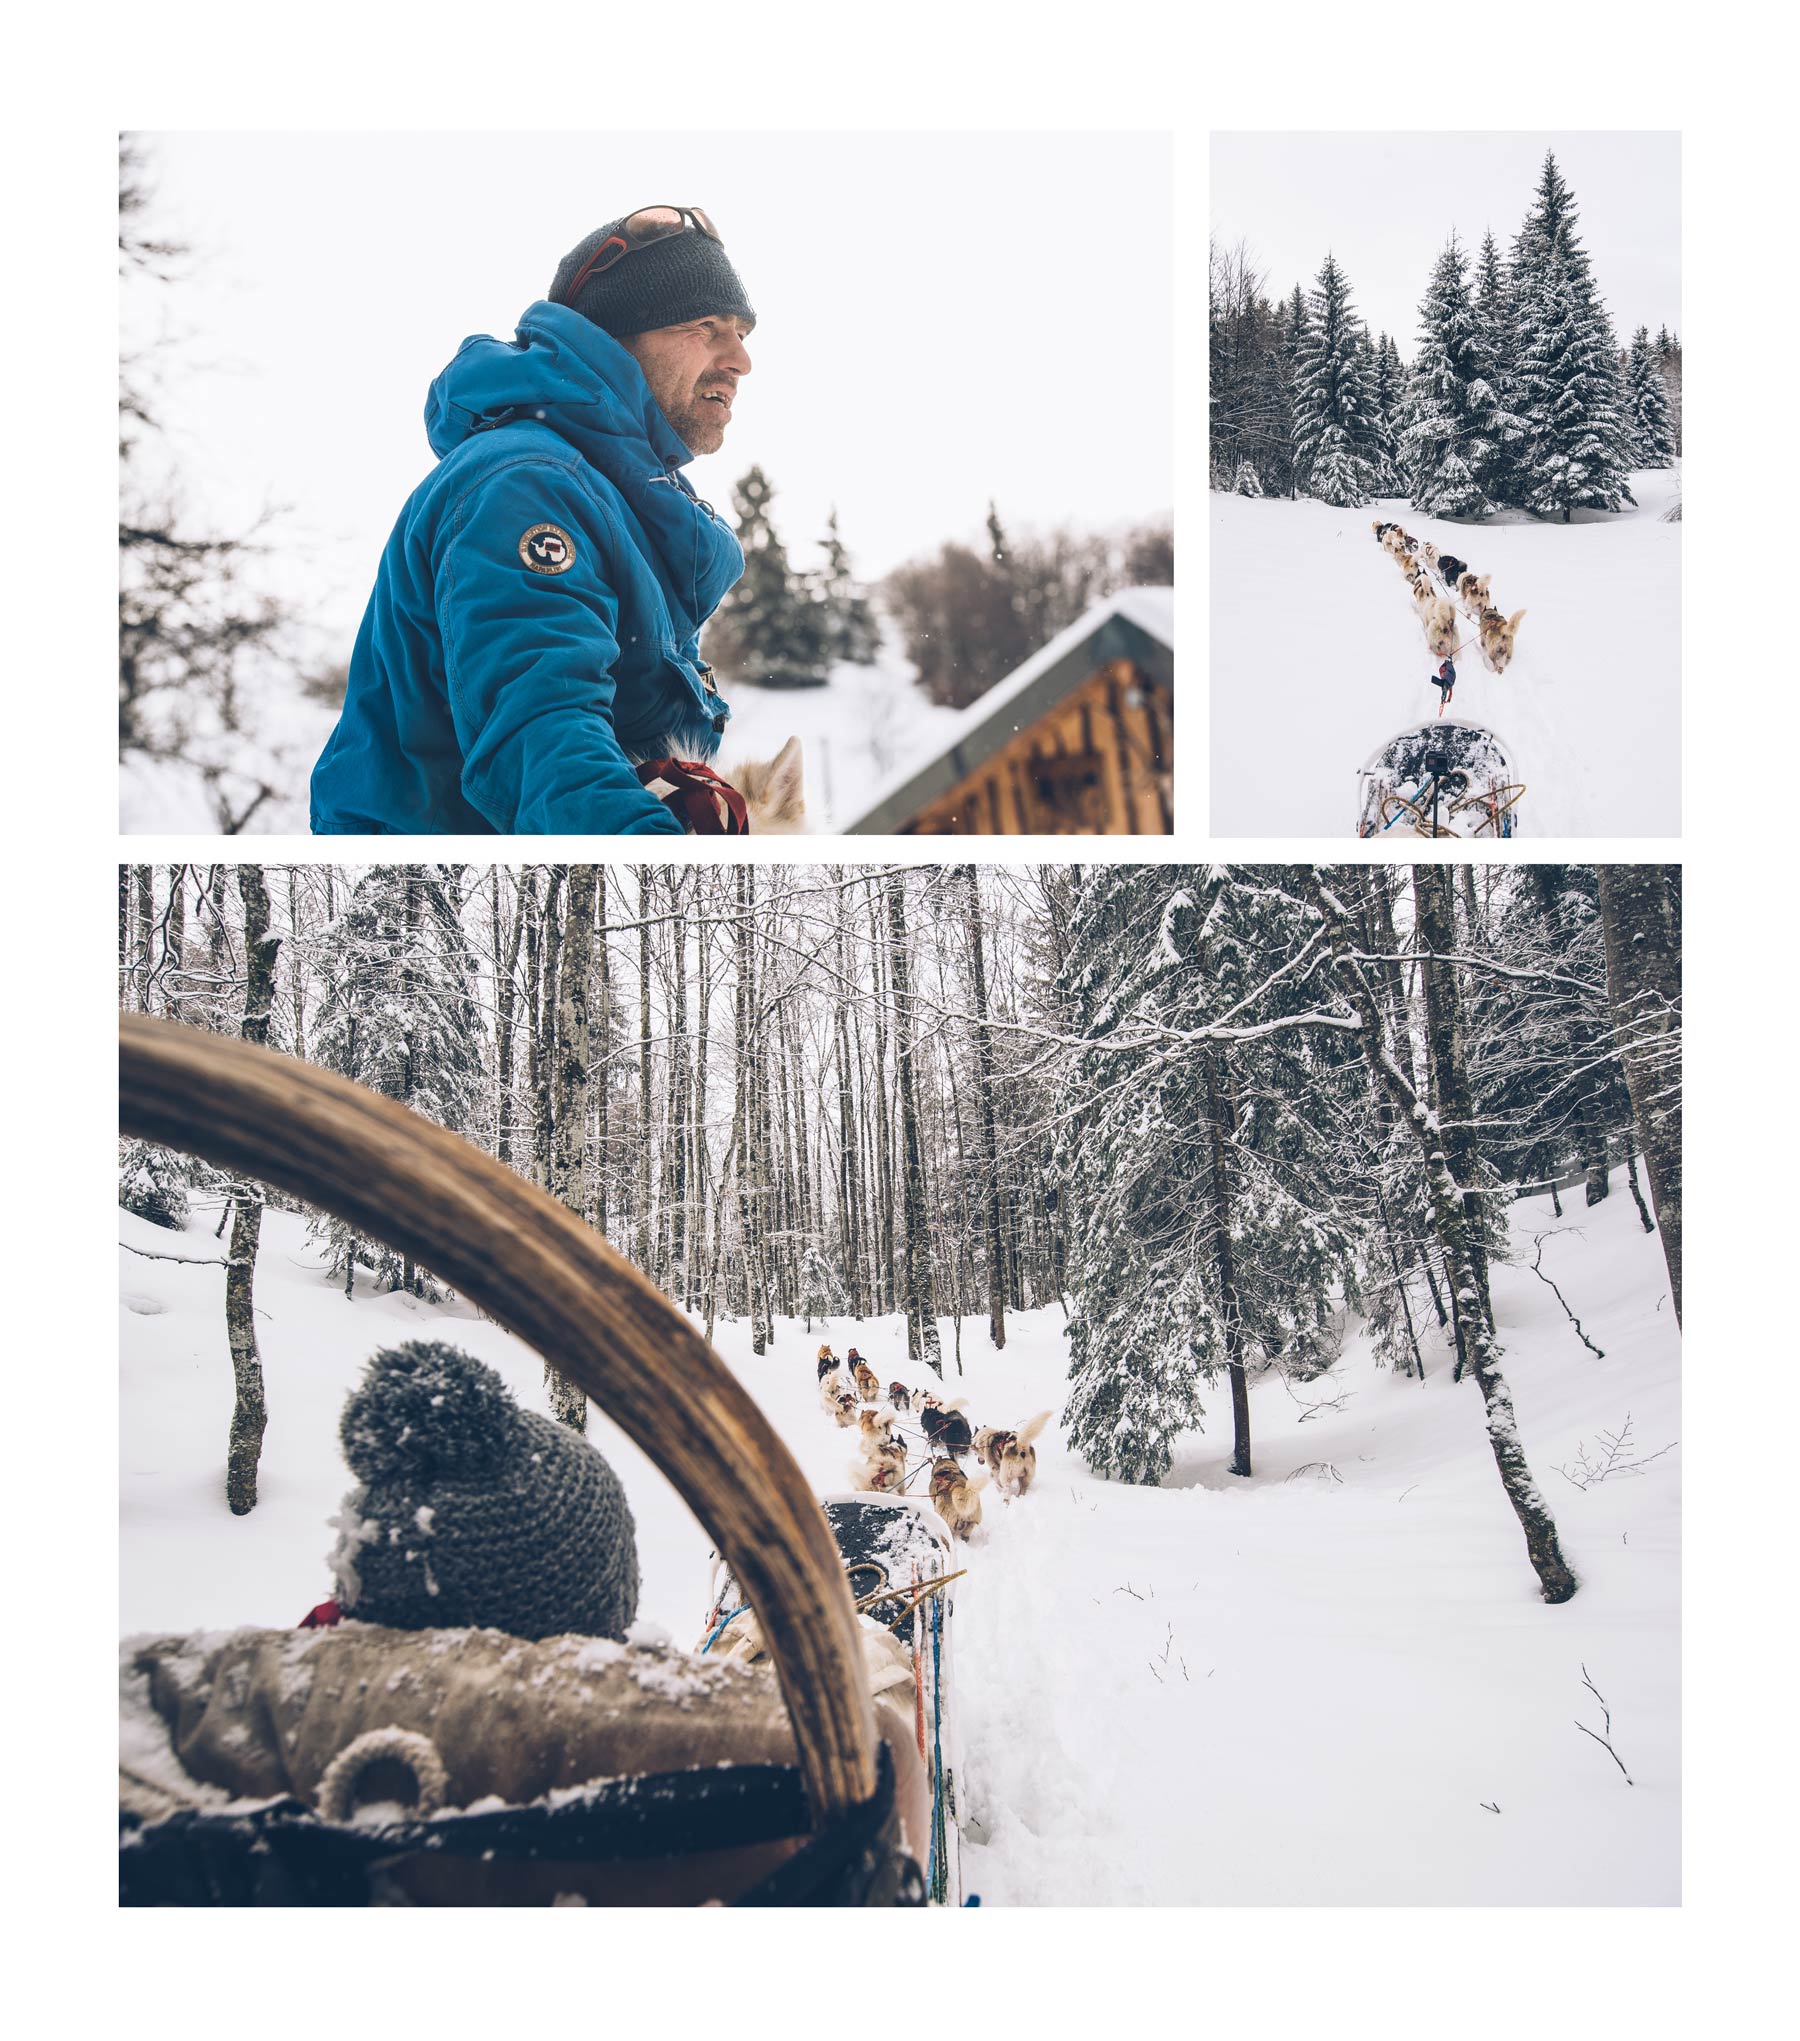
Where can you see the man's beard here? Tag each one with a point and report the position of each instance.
(700, 424)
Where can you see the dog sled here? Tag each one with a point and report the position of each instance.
(899, 1559)
(570, 1770)
(1442, 778)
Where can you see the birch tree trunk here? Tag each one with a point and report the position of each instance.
(700, 1170)
(646, 1257)
(174, 943)
(1220, 1132)
(569, 1159)
(990, 1148)
(888, 1287)
(916, 1272)
(1640, 920)
(411, 910)
(143, 880)
(1474, 1336)
(850, 1191)
(744, 1112)
(535, 1047)
(603, 1060)
(544, 1039)
(296, 964)
(675, 1128)
(1444, 1039)
(249, 1409)
(125, 933)
(506, 966)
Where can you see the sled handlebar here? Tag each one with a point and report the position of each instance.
(549, 1277)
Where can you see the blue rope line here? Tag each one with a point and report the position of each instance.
(712, 1636)
(937, 1745)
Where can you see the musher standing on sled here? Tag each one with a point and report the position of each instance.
(1444, 680)
(534, 627)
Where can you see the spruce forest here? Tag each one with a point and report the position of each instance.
(1518, 394)
(1213, 1113)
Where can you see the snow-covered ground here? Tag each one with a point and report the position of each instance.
(863, 726)
(1317, 659)
(1313, 1687)
(867, 724)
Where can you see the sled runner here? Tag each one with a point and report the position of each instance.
(637, 1773)
(893, 1550)
(1442, 778)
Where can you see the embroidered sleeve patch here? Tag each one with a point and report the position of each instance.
(547, 549)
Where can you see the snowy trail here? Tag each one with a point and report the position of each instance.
(1366, 1661)
(1317, 658)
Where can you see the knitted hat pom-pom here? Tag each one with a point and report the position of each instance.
(423, 1407)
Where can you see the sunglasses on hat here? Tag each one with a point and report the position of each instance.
(643, 229)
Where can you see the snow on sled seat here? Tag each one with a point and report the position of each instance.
(617, 1773)
(1442, 778)
(807, 1816)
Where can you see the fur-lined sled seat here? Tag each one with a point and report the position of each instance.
(248, 1716)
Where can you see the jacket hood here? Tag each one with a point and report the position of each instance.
(562, 370)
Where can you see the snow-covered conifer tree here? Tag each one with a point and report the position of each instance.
(1450, 442)
(1390, 401)
(1575, 452)
(399, 1015)
(820, 1291)
(152, 1184)
(1382, 472)
(851, 632)
(771, 630)
(1201, 1243)
(1652, 431)
(1499, 343)
(1336, 431)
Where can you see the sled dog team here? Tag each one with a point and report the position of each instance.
(850, 1393)
(1495, 633)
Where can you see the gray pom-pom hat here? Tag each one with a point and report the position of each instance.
(473, 1513)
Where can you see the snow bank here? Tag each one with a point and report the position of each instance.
(1317, 658)
(1309, 1688)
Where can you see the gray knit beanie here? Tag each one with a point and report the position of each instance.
(473, 1513)
(685, 277)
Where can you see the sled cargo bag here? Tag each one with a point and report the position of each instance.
(358, 1765)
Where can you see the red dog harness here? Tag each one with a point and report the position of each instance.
(706, 801)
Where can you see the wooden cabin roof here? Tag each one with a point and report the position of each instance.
(1135, 625)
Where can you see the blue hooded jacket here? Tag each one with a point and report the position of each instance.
(537, 612)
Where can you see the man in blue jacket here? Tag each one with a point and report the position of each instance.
(534, 628)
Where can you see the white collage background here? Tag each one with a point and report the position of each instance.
(962, 69)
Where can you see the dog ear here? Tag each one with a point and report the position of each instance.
(786, 776)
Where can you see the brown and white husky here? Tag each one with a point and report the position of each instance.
(1497, 635)
(876, 1428)
(879, 1472)
(955, 1497)
(1439, 620)
(1010, 1456)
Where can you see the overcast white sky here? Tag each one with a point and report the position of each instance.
(1384, 204)
(940, 316)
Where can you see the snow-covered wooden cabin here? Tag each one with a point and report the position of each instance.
(1079, 741)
